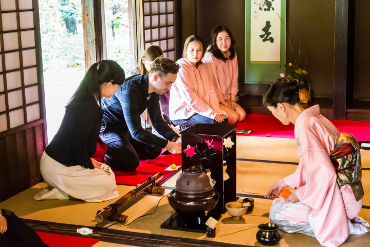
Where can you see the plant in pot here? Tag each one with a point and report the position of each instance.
(299, 74)
(294, 71)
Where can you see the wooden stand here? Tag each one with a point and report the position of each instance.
(202, 137)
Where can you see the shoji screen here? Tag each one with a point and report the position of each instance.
(22, 138)
(19, 89)
(159, 26)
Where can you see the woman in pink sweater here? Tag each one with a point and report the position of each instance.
(193, 98)
(223, 64)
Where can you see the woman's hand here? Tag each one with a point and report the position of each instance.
(96, 164)
(275, 189)
(179, 140)
(3, 224)
(232, 105)
(173, 147)
(220, 117)
(293, 197)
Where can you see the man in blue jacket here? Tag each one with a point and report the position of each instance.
(128, 142)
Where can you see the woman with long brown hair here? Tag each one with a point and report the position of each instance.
(193, 98)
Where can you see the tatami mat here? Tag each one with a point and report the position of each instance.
(276, 149)
(257, 177)
(266, 148)
(253, 177)
(106, 244)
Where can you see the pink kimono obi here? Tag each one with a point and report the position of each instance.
(327, 204)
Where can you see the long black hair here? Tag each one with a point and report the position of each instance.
(213, 47)
(97, 74)
(281, 91)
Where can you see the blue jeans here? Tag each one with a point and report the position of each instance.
(124, 152)
(196, 118)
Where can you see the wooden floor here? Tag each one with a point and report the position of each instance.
(261, 161)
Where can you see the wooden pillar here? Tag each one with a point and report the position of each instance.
(93, 22)
(99, 25)
(179, 44)
(136, 29)
(195, 17)
(340, 59)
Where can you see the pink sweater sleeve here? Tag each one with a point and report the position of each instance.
(214, 100)
(235, 74)
(191, 97)
(208, 59)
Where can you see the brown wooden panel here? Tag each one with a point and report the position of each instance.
(3, 167)
(12, 175)
(340, 59)
(20, 154)
(31, 154)
(39, 138)
(22, 160)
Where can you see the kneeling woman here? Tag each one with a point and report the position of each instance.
(66, 165)
(223, 63)
(193, 98)
(322, 205)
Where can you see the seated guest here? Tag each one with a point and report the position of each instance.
(223, 63)
(193, 98)
(15, 233)
(143, 68)
(147, 58)
(66, 165)
(127, 141)
(328, 192)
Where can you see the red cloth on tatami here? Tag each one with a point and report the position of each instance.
(269, 126)
(59, 240)
(149, 168)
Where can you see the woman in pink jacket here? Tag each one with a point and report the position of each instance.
(193, 98)
(328, 190)
(223, 63)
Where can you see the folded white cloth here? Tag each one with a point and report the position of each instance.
(358, 226)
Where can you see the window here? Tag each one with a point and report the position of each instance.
(20, 101)
(159, 26)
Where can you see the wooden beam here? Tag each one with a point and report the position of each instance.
(133, 26)
(93, 22)
(340, 59)
(88, 32)
(195, 16)
(99, 25)
(178, 20)
(40, 76)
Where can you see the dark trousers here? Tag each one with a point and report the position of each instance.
(18, 233)
(124, 152)
(196, 118)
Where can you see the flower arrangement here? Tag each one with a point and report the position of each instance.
(294, 71)
(297, 73)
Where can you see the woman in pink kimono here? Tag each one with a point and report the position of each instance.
(223, 63)
(193, 98)
(328, 191)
